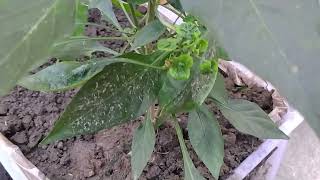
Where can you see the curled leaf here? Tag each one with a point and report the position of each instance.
(208, 66)
(181, 67)
(169, 44)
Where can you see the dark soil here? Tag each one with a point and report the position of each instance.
(3, 174)
(27, 116)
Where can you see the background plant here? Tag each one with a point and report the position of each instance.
(178, 72)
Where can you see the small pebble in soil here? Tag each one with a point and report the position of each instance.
(3, 109)
(20, 137)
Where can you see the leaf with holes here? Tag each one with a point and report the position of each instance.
(206, 139)
(249, 118)
(28, 33)
(271, 38)
(143, 143)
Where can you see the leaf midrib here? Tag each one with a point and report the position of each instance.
(32, 29)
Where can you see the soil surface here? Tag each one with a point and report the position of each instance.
(3, 173)
(27, 116)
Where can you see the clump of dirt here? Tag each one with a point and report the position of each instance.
(27, 116)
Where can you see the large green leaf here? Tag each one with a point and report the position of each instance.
(148, 34)
(71, 74)
(279, 40)
(70, 49)
(106, 8)
(121, 92)
(61, 76)
(190, 172)
(143, 143)
(219, 92)
(28, 32)
(184, 95)
(148, 59)
(81, 18)
(206, 139)
(249, 118)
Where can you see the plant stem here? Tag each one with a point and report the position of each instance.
(97, 38)
(101, 26)
(152, 5)
(144, 64)
(84, 38)
(135, 19)
(180, 137)
(126, 13)
(151, 10)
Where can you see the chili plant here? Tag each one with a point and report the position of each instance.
(163, 70)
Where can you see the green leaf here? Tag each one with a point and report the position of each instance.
(121, 92)
(148, 59)
(70, 74)
(72, 49)
(180, 68)
(143, 143)
(169, 44)
(61, 76)
(208, 66)
(271, 38)
(105, 6)
(28, 32)
(190, 172)
(184, 95)
(249, 118)
(219, 92)
(148, 34)
(206, 139)
(81, 18)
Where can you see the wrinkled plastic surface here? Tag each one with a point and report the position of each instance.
(16, 164)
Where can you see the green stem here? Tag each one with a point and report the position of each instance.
(101, 26)
(143, 64)
(162, 117)
(135, 19)
(180, 137)
(152, 5)
(98, 38)
(126, 13)
(84, 38)
(151, 10)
